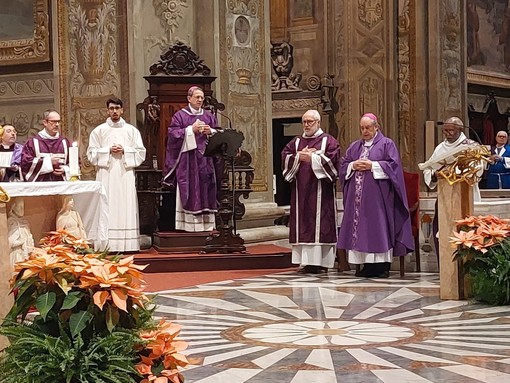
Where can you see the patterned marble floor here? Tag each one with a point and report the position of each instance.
(292, 328)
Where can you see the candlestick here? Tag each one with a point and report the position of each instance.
(74, 164)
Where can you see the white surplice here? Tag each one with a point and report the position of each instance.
(116, 172)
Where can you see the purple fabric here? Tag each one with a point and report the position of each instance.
(304, 215)
(15, 161)
(28, 155)
(376, 218)
(192, 171)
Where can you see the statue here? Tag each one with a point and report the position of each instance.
(283, 61)
(69, 220)
(21, 241)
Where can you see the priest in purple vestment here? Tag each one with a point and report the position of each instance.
(310, 163)
(45, 156)
(187, 170)
(376, 225)
(10, 154)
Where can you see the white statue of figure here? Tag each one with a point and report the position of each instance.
(69, 220)
(21, 241)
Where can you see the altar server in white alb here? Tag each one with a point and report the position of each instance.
(116, 149)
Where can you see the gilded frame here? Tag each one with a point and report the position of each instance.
(35, 49)
(480, 77)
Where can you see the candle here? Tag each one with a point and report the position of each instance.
(74, 165)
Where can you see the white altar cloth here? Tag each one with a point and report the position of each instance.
(90, 200)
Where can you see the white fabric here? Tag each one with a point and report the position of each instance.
(358, 257)
(190, 142)
(117, 175)
(378, 172)
(191, 222)
(314, 255)
(89, 200)
(445, 152)
(5, 159)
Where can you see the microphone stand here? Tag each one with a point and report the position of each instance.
(441, 123)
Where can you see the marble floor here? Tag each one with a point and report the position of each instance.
(293, 328)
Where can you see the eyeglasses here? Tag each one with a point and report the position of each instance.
(501, 136)
(54, 122)
(114, 108)
(308, 122)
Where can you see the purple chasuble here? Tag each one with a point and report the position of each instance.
(376, 218)
(31, 157)
(313, 200)
(15, 161)
(191, 170)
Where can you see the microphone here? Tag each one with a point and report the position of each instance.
(228, 119)
(212, 104)
(440, 123)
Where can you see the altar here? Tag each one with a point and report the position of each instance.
(43, 201)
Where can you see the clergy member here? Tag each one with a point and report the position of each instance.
(376, 225)
(310, 163)
(116, 149)
(187, 170)
(498, 170)
(45, 156)
(455, 141)
(10, 154)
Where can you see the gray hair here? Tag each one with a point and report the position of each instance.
(314, 113)
(455, 121)
(47, 112)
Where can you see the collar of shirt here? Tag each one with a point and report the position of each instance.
(371, 141)
(194, 111)
(316, 134)
(45, 134)
(118, 124)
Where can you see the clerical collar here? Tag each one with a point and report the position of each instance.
(316, 134)
(44, 134)
(6, 146)
(371, 141)
(194, 111)
(118, 124)
(455, 143)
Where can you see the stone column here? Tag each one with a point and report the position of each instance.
(5, 269)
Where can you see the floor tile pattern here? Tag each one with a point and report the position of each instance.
(292, 328)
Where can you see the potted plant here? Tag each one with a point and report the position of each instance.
(93, 322)
(483, 243)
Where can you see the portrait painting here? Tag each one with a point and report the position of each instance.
(488, 42)
(24, 32)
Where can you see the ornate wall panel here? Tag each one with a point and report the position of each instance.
(243, 56)
(93, 65)
(23, 98)
(452, 59)
(407, 82)
(365, 70)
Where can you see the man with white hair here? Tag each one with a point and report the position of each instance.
(498, 170)
(310, 163)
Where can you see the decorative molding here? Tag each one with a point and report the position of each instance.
(170, 12)
(294, 108)
(451, 57)
(370, 12)
(180, 60)
(26, 89)
(35, 49)
(342, 95)
(494, 80)
(371, 89)
(406, 87)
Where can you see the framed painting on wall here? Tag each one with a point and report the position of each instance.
(488, 42)
(302, 12)
(24, 32)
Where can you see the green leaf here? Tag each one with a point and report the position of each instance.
(45, 303)
(78, 321)
(112, 317)
(71, 300)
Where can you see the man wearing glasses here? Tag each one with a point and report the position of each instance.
(116, 149)
(498, 171)
(310, 162)
(44, 156)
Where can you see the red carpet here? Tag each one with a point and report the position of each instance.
(173, 280)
